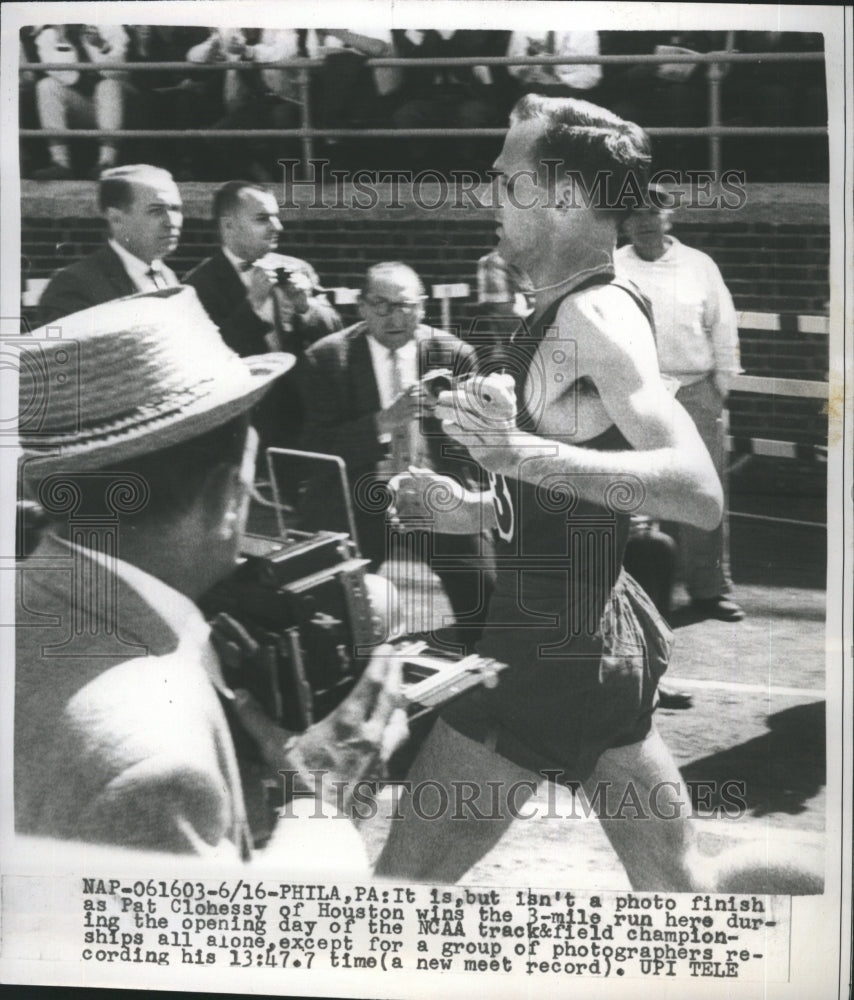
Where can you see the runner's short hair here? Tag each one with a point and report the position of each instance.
(609, 156)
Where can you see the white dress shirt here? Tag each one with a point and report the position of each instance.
(696, 326)
(381, 358)
(137, 269)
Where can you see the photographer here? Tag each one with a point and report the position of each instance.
(242, 286)
(124, 729)
(261, 300)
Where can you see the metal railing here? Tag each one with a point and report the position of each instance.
(714, 131)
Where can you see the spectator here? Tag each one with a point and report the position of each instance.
(170, 99)
(571, 80)
(346, 93)
(28, 116)
(142, 207)
(76, 98)
(363, 402)
(239, 287)
(451, 96)
(697, 337)
(256, 312)
(255, 98)
(131, 739)
(671, 95)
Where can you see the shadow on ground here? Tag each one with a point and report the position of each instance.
(781, 770)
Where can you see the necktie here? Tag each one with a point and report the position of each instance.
(400, 456)
(157, 277)
(406, 439)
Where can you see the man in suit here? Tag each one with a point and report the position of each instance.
(256, 312)
(124, 728)
(363, 402)
(142, 207)
(238, 285)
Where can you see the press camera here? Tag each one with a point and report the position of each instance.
(297, 622)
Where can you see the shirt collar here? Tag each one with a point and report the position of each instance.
(137, 269)
(178, 612)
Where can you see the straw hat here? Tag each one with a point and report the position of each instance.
(129, 377)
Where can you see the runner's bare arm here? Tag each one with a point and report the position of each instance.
(615, 349)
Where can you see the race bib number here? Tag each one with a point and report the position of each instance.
(505, 516)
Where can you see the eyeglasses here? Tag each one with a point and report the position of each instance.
(385, 307)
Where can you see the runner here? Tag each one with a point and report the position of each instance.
(584, 435)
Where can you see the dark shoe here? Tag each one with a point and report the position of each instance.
(53, 172)
(669, 697)
(720, 607)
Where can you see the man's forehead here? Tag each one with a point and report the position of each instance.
(519, 144)
(394, 282)
(251, 200)
(155, 192)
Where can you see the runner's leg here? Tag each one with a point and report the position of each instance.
(478, 784)
(645, 809)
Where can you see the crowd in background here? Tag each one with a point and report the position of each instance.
(344, 92)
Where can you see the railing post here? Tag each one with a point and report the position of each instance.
(715, 76)
(305, 115)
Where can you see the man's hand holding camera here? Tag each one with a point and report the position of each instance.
(294, 289)
(404, 408)
(350, 746)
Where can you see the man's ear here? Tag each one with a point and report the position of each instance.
(114, 216)
(566, 195)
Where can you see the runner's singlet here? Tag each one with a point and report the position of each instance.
(584, 643)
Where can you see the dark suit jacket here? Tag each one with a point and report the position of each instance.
(223, 295)
(278, 417)
(98, 278)
(341, 399)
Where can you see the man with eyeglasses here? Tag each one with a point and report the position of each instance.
(363, 401)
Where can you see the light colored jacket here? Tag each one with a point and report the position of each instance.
(130, 748)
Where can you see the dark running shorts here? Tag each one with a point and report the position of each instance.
(559, 706)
